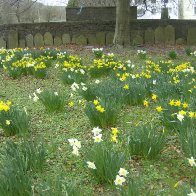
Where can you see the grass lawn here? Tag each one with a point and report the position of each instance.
(166, 172)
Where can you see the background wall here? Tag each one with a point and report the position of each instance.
(97, 32)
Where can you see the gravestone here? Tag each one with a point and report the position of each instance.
(91, 39)
(38, 40)
(180, 41)
(159, 35)
(22, 43)
(79, 39)
(66, 39)
(12, 39)
(29, 41)
(2, 43)
(138, 40)
(149, 36)
(57, 41)
(48, 39)
(109, 38)
(100, 37)
(191, 37)
(169, 34)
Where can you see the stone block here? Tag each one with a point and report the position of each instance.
(12, 39)
(38, 40)
(48, 39)
(91, 39)
(159, 35)
(57, 41)
(100, 37)
(2, 43)
(170, 35)
(138, 40)
(79, 39)
(180, 41)
(109, 38)
(22, 43)
(29, 41)
(149, 36)
(66, 39)
(191, 37)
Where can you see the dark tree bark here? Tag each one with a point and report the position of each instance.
(122, 29)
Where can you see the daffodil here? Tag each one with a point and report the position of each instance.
(146, 104)
(119, 180)
(96, 131)
(192, 193)
(154, 97)
(7, 122)
(123, 172)
(91, 165)
(159, 109)
(126, 86)
(98, 138)
(192, 161)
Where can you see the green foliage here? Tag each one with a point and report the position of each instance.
(172, 54)
(53, 101)
(188, 51)
(103, 114)
(145, 141)
(107, 160)
(14, 121)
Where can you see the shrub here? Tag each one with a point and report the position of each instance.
(172, 54)
(145, 141)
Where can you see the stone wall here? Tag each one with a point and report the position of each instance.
(97, 33)
(93, 13)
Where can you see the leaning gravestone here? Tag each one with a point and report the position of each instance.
(149, 36)
(57, 41)
(66, 39)
(29, 41)
(48, 39)
(79, 39)
(91, 39)
(22, 43)
(138, 40)
(180, 41)
(38, 40)
(12, 39)
(159, 35)
(109, 38)
(169, 34)
(2, 43)
(191, 37)
(100, 36)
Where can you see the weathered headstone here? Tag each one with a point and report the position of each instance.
(48, 39)
(100, 36)
(79, 39)
(12, 39)
(22, 43)
(138, 40)
(38, 40)
(180, 41)
(91, 39)
(29, 41)
(57, 41)
(169, 34)
(149, 36)
(66, 39)
(191, 37)
(2, 43)
(109, 38)
(159, 35)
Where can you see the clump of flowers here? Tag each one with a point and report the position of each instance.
(142, 54)
(120, 178)
(76, 145)
(114, 134)
(98, 52)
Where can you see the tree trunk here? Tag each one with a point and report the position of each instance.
(122, 30)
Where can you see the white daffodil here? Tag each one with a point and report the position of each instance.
(7, 122)
(38, 91)
(96, 131)
(75, 151)
(180, 117)
(35, 98)
(119, 180)
(56, 93)
(82, 71)
(192, 161)
(192, 193)
(74, 142)
(91, 165)
(97, 138)
(97, 81)
(74, 86)
(123, 172)
(154, 82)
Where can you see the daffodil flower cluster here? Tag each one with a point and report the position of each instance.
(120, 178)
(97, 136)
(76, 145)
(5, 106)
